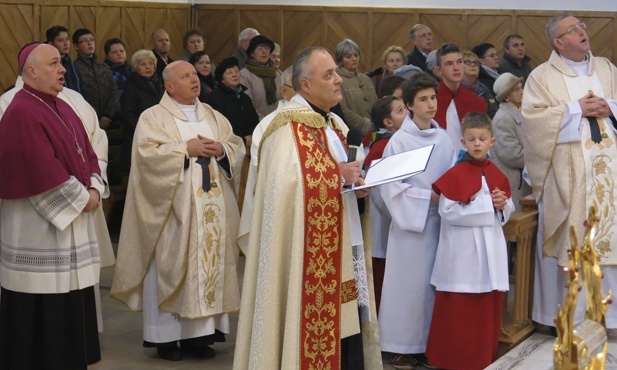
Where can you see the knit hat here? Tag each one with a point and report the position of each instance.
(258, 40)
(407, 71)
(224, 65)
(431, 60)
(504, 84)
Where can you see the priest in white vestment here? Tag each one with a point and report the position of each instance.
(569, 108)
(176, 256)
(301, 296)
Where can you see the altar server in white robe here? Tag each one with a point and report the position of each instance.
(570, 145)
(407, 296)
(471, 267)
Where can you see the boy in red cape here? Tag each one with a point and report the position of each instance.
(471, 267)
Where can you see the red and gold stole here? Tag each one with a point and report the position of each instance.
(320, 329)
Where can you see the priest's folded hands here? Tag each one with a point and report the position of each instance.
(204, 147)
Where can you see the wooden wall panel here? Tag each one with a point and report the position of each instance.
(446, 27)
(352, 25)
(219, 44)
(17, 27)
(531, 27)
(293, 27)
(110, 24)
(178, 22)
(479, 30)
(27, 21)
(390, 29)
(601, 31)
(133, 31)
(266, 21)
(302, 29)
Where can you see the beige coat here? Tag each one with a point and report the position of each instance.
(507, 153)
(257, 92)
(358, 99)
(160, 218)
(557, 171)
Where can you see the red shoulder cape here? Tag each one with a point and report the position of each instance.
(464, 180)
(465, 100)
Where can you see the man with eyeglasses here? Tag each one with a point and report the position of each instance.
(514, 59)
(569, 139)
(422, 39)
(97, 81)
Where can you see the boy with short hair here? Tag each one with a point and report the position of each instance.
(387, 115)
(407, 296)
(454, 102)
(471, 267)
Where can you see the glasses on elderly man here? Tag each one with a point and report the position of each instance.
(472, 63)
(573, 29)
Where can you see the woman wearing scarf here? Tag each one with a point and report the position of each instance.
(143, 90)
(260, 77)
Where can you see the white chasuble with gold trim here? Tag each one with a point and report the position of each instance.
(210, 214)
(600, 167)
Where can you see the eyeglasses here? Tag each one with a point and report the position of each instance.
(291, 87)
(472, 63)
(263, 48)
(88, 41)
(573, 29)
(491, 55)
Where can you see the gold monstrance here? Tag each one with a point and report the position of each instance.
(583, 346)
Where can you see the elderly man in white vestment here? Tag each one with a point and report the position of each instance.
(569, 111)
(176, 256)
(301, 296)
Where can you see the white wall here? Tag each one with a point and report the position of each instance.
(570, 5)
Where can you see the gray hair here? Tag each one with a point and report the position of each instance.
(344, 47)
(551, 27)
(287, 76)
(246, 33)
(140, 55)
(156, 32)
(414, 29)
(300, 66)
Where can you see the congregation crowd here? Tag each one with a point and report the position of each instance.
(238, 155)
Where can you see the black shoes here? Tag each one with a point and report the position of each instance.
(189, 347)
(169, 352)
(202, 351)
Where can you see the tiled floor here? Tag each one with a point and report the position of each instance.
(121, 339)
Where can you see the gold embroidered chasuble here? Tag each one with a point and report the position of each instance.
(168, 216)
(299, 295)
(570, 177)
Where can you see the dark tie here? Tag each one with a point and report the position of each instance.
(594, 129)
(205, 172)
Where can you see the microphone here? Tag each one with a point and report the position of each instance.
(354, 139)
